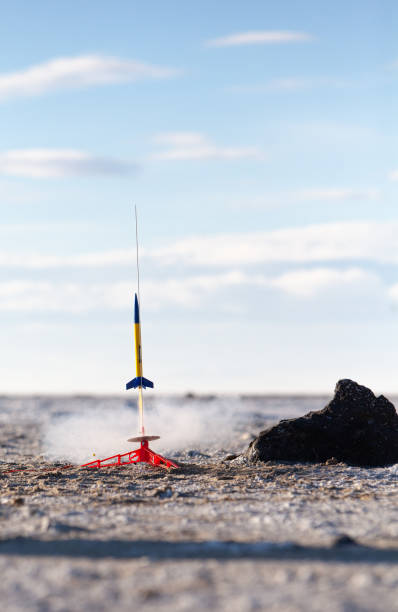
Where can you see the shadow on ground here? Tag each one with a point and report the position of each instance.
(133, 549)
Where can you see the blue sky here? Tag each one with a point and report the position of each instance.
(257, 139)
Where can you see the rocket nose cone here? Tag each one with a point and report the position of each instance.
(136, 310)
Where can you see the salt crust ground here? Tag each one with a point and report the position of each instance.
(217, 534)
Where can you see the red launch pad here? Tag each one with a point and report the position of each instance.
(141, 455)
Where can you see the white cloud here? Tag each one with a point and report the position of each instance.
(28, 296)
(303, 196)
(393, 292)
(394, 175)
(75, 72)
(180, 139)
(313, 243)
(196, 146)
(309, 282)
(35, 261)
(335, 194)
(259, 37)
(339, 194)
(187, 292)
(48, 163)
(346, 241)
(332, 134)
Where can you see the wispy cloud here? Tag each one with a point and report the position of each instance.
(259, 37)
(328, 242)
(26, 296)
(197, 146)
(36, 261)
(309, 282)
(336, 193)
(303, 196)
(393, 292)
(188, 292)
(49, 163)
(344, 241)
(394, 175)
(75, 72)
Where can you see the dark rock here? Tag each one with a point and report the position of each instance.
(356, 427)
(190, 395)
(65, 528)
(344, 540)
(230, 457)
(196, 453)
(204, 398)
(163, 492)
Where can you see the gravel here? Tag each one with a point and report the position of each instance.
(217, 533)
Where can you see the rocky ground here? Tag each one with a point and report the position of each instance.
(218, 533)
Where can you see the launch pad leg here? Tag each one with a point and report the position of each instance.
(141, 455)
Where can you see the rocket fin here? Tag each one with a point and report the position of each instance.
(139, 381)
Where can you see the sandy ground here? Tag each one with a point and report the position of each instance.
(216, 533)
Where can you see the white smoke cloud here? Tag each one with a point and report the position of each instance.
(99, 433)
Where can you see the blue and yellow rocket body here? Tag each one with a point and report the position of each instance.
(139, 381)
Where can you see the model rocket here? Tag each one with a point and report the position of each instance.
(139, 381)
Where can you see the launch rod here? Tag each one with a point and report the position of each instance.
(138, 349)
(139, 382)
(138, 262)
(138, 365)
(141, 410)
